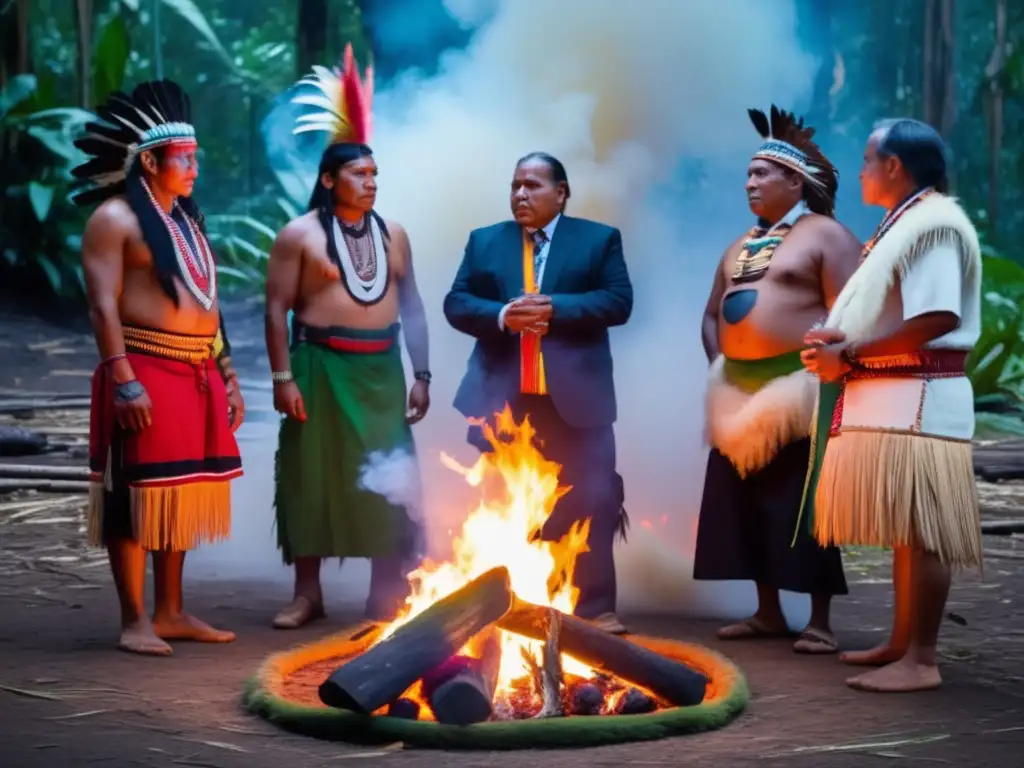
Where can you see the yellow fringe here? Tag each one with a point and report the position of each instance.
(892, 489)
(181, 517)
(175, 519)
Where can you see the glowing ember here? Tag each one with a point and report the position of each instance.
(519, 488)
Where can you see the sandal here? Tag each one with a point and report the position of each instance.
(815, 641)
(752, 629)
(301, 611)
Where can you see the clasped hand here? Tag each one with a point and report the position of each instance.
(824, 355)
(530, 313)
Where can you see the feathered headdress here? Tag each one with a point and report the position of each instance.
(789, 143)
(157, 113)
(343, 103)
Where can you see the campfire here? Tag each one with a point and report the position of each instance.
(490, 635)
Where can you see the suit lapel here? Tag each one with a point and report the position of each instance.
(510, 252)
(558, 252)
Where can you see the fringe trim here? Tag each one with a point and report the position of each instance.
(938, 220)
(750, 429)
(181, 517)
(885, 489)
(94, 514)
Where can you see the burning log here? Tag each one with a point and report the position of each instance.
(551, 667)
(467, 696)
(670, 681)
(384, 672)
(587, 699)
(407, 709)
(635, 702)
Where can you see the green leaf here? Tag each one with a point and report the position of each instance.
(289, 208)
(109, 59)
(17, 90)
(245, 221)
(51, 272)
(56, 141)
(41, 197)
(999, 424)
(189, 11)
(252, 250)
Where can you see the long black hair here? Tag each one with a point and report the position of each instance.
(154, 230)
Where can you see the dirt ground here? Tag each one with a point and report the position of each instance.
(68, 698)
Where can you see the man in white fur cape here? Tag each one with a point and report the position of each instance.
(774, 284)
(893, 461)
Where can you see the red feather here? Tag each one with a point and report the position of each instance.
(358, 96)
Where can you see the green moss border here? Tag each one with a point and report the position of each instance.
(727, 699)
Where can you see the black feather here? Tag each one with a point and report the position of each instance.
(91, 195)
(757, 117)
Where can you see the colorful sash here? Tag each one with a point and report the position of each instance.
(531, 362)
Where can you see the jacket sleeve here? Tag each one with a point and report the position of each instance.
(607, 306)
(467, 312)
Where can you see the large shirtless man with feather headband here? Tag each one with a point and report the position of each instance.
(773, 284)
(165, 398)
(347, 275)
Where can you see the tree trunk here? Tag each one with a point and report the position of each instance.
(994, 102)
(311, 35)
(83, 28)
(939, 72)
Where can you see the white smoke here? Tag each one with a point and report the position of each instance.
(628, 96)
(621, 94)
(394, 475)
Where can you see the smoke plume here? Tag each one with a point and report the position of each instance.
(645, 103)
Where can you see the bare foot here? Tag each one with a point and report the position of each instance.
(185, 627)
(140, 638)
(878, 656)
(298, 613)
(903, 676)
(755, 628)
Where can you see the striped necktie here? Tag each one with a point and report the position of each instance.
(539, 239)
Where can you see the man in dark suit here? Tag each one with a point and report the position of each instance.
(539, 294)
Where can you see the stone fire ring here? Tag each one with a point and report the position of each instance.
(726, 698)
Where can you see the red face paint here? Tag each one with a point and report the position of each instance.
(178, 168)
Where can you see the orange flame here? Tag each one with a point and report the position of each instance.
(519, 488)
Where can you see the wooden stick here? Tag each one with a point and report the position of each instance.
(551, 668)
(43, 484)
(383, 673)
(672, 682)
(43, 471)
(19, 406)
(1002, 527)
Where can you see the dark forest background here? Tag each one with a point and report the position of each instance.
(957, 64)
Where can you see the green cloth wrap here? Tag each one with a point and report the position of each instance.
(355, 405)
(752, 375)
(828, 396)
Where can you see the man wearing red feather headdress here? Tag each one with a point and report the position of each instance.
(772, 285)
(164, 398)
(347, 275)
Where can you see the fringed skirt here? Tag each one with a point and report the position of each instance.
(898, 469)
(168, 486)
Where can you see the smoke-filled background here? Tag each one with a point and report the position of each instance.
(647, 110)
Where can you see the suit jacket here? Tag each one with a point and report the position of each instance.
(586, 278)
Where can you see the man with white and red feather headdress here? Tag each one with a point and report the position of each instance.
(165, 400)
(347, 276)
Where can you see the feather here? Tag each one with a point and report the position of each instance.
(343, 104)
(121, 123)
(757, 117)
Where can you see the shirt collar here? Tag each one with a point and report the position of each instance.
(549, 230)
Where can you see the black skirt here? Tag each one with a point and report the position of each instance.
(746, 528)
